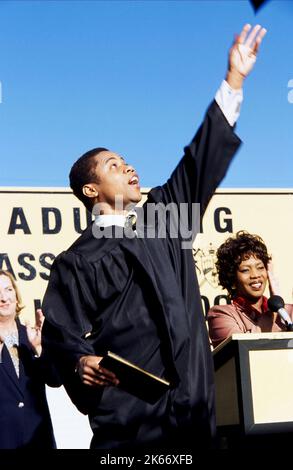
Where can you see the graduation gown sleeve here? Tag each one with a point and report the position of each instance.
(68, 305)
(204, 164)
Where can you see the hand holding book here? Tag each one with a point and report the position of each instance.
(92, 373)
(135, 380)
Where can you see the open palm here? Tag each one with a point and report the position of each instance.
(34, 333)
(244, 50)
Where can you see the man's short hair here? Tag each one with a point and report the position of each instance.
(83, 172)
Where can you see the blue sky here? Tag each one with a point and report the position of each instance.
(137, 77)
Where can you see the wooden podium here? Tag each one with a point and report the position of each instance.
(254, 384)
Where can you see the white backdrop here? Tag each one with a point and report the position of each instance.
(71, 428)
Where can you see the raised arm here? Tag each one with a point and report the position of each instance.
(209, 154)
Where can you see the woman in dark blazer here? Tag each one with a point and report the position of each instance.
(24, 414)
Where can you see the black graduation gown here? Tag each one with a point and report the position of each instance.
(140, 299)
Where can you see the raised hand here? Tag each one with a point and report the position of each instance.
(274, 285)
(243, 53)
(34, 333)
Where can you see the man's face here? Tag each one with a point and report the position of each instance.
(118, 182)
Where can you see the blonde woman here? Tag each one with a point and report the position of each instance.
(24, 415)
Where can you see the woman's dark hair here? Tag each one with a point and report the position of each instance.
(233, 251)
(83, 172)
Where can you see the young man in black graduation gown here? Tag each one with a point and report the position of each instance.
(138, 296)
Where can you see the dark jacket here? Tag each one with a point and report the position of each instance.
(24, 415)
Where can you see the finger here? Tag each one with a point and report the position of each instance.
(259, 39)
(252, 35)
(243, 34)
(96, 384)
(110, 380)
(85, 382)
(39, 316)
(30, 331)
(100, 380)
(107, 373)
(96, 371)
(105, 381)
(90, 381)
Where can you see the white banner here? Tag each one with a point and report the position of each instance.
(38, 223)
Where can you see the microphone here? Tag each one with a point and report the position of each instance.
(276, 304)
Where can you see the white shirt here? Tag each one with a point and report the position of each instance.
(229, 100)
(107, 220)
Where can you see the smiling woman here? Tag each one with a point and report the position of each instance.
(243, 266)
(24, 415)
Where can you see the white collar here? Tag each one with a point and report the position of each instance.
(107, 220)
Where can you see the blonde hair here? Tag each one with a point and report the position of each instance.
(19, 305)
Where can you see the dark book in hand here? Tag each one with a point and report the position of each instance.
(134, 379)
